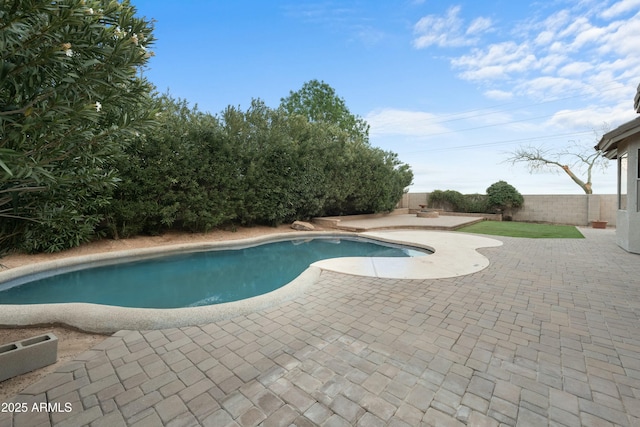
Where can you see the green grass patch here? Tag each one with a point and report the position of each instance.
(523, 229)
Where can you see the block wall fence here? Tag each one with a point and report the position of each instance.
(578, 209)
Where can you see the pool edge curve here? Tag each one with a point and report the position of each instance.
(108, 319)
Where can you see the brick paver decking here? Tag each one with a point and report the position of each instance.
(548, 334)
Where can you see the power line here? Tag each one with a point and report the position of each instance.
(490, 144)
(604, 85)
(510, 109)
(497, 124)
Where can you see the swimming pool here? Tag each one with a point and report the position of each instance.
(196, 278)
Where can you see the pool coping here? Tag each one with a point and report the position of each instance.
(454, 254)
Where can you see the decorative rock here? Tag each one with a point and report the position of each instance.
(302, 226)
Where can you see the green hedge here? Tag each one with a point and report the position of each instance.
(454, 201)
(500, 197)
(260, 166)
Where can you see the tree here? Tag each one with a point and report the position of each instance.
(70, 100)
(504, 197)
(575, 157)
(318, 102)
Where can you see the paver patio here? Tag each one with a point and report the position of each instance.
(548, 334)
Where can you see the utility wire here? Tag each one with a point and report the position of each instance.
(604, 85)
(490, 144)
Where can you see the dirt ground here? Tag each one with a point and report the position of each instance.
(73, 342)
(70, 344)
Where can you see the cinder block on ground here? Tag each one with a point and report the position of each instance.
(24, 356)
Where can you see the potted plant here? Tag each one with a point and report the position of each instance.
(598, 224)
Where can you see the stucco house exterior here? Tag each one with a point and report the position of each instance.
(623, 145)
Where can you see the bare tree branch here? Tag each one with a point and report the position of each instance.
(574, 157)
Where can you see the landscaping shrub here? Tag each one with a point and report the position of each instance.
(504, 197)
(448, 200)
(70, 100)
(498, 197)
(181, 175)
(195, 171)
(476, 203)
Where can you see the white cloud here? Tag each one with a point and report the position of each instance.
(544, 38)
(592, 117)
(496, 62)
(554, 56)
(620, 8)
(590, 35)
(551, 86)
(499, 95)
(447, 31)
(390, 121)
(621, 37)
(441, 31)
(579, 25)
(479, 25)
(575, 69)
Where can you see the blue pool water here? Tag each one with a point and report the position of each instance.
(197, 278)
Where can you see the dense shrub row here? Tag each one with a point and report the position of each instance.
(261, 166)
(87, 150)
(500, 196)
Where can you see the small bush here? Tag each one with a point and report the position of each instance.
(476, 203)
(500, 197)
(504, 197)
(448, 200)
(453, 201)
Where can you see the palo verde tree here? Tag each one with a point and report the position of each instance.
(575, 159)
(70, 99)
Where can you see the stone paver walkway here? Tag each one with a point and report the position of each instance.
(548, 334)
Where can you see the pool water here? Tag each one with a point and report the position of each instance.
(197, 278)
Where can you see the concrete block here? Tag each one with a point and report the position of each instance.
(428, 213)
(24, 356)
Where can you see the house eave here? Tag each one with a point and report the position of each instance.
(608, 144)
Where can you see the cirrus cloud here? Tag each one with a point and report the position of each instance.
(448, 30)
(389, 121)
(553, 55)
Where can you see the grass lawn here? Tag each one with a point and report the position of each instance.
(523, 229)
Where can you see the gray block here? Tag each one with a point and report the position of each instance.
(24, 356)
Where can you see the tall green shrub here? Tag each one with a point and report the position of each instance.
(503, 196)
(182, 175)
(70, 100)
(260, 166)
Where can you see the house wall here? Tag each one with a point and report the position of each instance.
(628, 231)
(578, 209)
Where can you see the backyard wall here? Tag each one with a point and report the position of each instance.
(577, 209)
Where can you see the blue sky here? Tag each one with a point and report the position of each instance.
(451, 86)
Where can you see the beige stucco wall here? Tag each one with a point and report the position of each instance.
(628, 230)
(577, 209)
